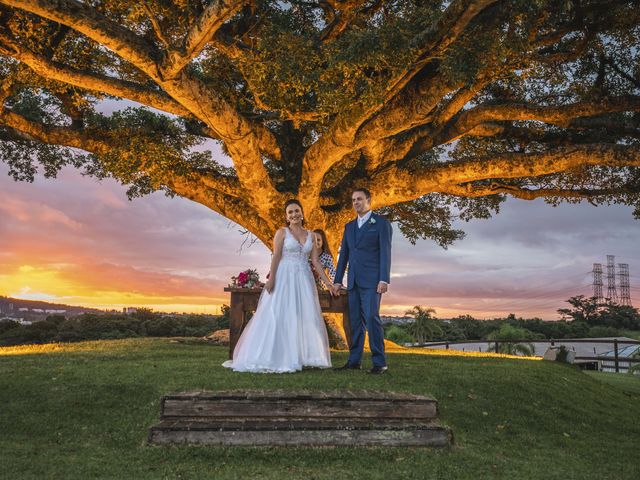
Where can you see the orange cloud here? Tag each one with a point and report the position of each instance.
(110, 286)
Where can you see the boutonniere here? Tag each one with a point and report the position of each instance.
(372, 221)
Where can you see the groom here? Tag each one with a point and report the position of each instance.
(366, 247)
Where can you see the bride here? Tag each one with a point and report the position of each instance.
(287, 331)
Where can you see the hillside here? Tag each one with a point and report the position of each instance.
(11, 307)
(89, 406)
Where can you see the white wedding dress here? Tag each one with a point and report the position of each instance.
(287, 331)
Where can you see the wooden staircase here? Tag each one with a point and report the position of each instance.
(299, 418)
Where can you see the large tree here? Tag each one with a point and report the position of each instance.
(440, 108)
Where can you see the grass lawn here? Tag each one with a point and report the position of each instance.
(629, 384)
(84, 412)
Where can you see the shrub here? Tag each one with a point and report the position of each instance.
(91, 326)
(38, 332)
(602, 331)
(56, 319)
(8, 325)
(398, 335)
(452, 332)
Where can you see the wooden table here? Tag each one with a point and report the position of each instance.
(245, 300)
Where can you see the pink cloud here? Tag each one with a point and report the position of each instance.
(37, 213)
(110, 199)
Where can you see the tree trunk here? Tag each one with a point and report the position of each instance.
(337, 337)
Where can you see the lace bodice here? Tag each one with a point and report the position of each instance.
(295, 252)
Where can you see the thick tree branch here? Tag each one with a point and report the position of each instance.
(341, 139)
(91, 81)
(532, 194)
(561, 116)
(580, 132)
(424, 138)
(118, 88)
(234, 208)
(465, 95)
(234, 130)
(430, 44)
(219, 193)
(433, 42)
(216, 13)
(634, 81)
(227, 185)
(412, 107)
(216, 192)
(343, 14)
(567, 53)
(91, 23)
(156, 26)
(69, 137)
(52, 134)
(381, 150)
(397, 185)
(440, 131)
(11, 135)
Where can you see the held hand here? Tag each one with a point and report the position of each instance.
(335, 290)
(269, 285)
(382, 287)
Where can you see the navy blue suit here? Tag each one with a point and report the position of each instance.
(367, 251)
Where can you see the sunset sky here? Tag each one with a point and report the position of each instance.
(78, 241)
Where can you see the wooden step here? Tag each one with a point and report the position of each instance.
(258, 417)
(301, 404)
(299, 432)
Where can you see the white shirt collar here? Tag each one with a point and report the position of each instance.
(363, 219)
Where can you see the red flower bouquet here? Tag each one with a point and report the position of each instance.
(247, 279)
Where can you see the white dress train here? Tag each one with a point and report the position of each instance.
(287, 331)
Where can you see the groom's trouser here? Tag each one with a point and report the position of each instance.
(364, 310)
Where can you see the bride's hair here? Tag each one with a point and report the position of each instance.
(293, 201)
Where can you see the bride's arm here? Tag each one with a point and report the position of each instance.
(278, 240)
(315, 259)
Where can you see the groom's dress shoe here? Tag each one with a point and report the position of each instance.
(349, 366)
(378, 370)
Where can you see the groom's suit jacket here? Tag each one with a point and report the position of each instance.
(367, 250)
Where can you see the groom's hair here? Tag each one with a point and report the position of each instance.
(366, 192)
